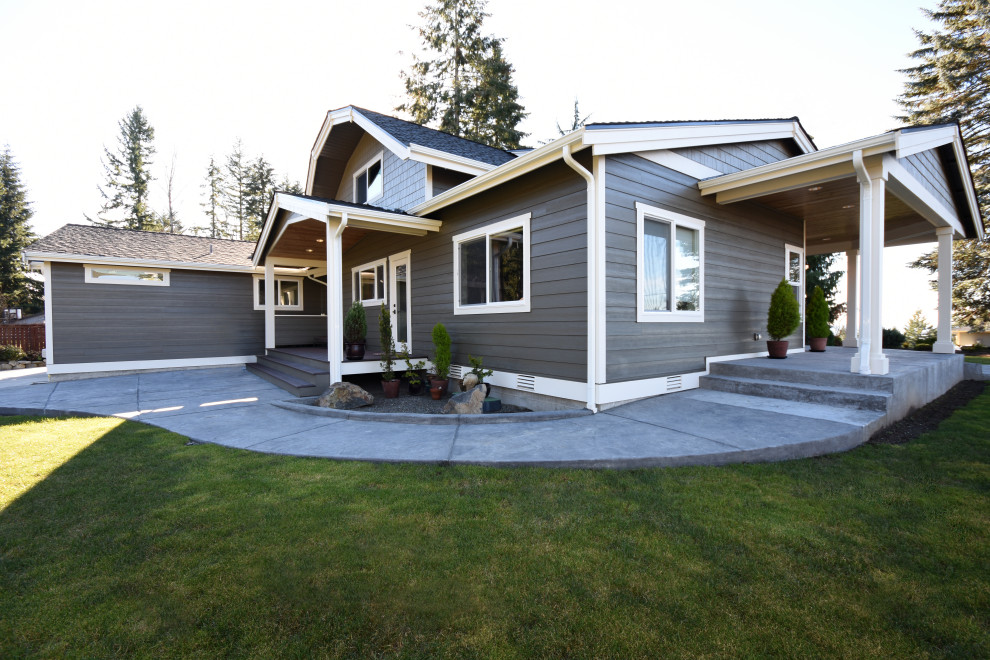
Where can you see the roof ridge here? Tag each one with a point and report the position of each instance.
(159, 233)
(435, 130)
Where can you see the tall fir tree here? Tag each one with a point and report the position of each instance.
(821, 273)
(260, 186)
(951, 83)
(213, 202)
(577, 122)
(289, 186)
(464, 85)
(16, 288)
(128, 176)
(236, 191)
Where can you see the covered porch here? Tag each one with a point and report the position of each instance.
(304, 241)
(901, 188)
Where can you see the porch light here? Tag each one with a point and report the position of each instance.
(319, 240)
(849, 206)
(814, 188)
(309, 249)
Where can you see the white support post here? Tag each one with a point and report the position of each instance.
(852, 299)
(944, 343)
(46, 270)
(872, 186)
(269, 303)
(335, 298)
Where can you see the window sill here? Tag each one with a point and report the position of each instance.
(503, 308)
(669, 317)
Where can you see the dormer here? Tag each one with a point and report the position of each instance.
(365, 157)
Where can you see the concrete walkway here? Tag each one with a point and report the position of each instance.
(233, 408)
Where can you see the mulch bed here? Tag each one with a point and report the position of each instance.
(930, 416)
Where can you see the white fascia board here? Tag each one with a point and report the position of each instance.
(620, 140)
(124, 261)
(967, 180)
(678, 163)
(440, 158)
(912, 192)
(913, 142)
(505, 172)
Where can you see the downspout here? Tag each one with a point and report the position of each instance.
(592, 360)
(865, 250)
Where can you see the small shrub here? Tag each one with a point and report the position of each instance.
(441, 348)
(918, 331)
(892, 338)
(784, 315)
(478, 369)
(12, 353)
(355, 324)
(817, 314)
(388, 344)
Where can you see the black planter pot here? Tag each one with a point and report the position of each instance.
(355, 350)
(415, 389)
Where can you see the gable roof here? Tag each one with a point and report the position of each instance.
(107, 244)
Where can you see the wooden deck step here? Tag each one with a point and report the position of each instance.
(287, 382)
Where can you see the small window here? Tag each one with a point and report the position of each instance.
(491, 268)
(368, 283)
(369, 182)
(123, 275)
(794, 265)
(669, 266)
(288, 293)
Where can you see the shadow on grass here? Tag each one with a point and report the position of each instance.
(141, 544)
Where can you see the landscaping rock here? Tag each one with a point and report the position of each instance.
(466, 403)
(345, 396)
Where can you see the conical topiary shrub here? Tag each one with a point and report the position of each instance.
(817, 319)
(783, 318)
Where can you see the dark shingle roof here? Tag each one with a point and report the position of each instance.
(688, 122)
(409, 133)
(90, 241)
(339, 202)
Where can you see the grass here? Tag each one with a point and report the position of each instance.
(118, 539)
(979, 359)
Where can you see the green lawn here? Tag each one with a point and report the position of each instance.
(117, 539)
(979, 359)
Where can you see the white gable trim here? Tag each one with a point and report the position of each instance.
(621, 139)
(678, 163)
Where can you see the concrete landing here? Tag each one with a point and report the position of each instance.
(232, 407)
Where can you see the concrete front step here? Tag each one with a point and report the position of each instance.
(776, 389)
(826, 379)
(285, 356)
(287, 382)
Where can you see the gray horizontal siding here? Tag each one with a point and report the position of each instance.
(744, 261)
(927, 167)
(548, 341)
(729, 158)
(201, 314)
(404, 182)
(300, 330)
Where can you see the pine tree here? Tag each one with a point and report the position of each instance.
(15, 213)
(820, 274)
(214, 196)
(128, 176)
(952, 84)
(918, 331)
(260, 186)
(576, 123)
(236, 191)
(289, 186)
(466, 88)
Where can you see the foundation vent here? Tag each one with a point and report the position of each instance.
(673, 383)
(527, 383)
(456, 371)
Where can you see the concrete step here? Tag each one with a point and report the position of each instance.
(285, 357)
(774, 389)
(827, 379)
(287, 382)
(318, 376)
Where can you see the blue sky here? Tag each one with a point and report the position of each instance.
(209, 72)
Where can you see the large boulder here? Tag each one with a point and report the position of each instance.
(466, 403)
(344, 396)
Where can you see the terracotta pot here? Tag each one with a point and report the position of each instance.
(391, 388)
(818, 344)
(436, 393)
(355, 350)
(443, 384)
(777, 349)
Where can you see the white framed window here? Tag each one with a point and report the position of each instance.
(794, 264)
(123, 275)
(368, 283)
(670, 266)
(369, 182)
(288, 293)
(491, 268)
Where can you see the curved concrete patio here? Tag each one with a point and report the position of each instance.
(233, 408)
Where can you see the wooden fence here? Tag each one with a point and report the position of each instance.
(30, 337)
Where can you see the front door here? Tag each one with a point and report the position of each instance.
(399, 300)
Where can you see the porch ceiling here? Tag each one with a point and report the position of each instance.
(307, 240)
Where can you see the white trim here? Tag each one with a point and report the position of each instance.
(137, 365)
(363, 170)
(406, 256)
(646, 387)
(678, 163)
(124, 261)
(622, 139)
(429, 182)
(513, 306)
(599, 167)
(450, 161)
(788, 248)
(277, 292)
(372, 265)
(89, 279)
(351, 368)
(908, 143)
(913, 193)
(573, 390)
(644, 211)
(49, 352)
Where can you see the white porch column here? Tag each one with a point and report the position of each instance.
(944, 343)
(335, 298)
(269, 303)
(852, 298)
(872, 185)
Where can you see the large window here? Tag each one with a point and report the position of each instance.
(368, 283)
(123, 275)
(288, 293)
(491, 268)
(369, 182)
(670, 268)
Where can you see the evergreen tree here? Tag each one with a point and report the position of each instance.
(260, 186)
(918, 331)
(290, 186)
(15, 213)
(128, 176)
(213, 204)
(168, 221)
(951, 84)
(466, 88)
(820, 274)
(576, 123)
(236, 191)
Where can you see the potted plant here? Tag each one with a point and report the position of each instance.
(817, 320)
(414, 373)
(783, 318)
(389, 382)
(478, 370)
(355, 330)
(441, 358)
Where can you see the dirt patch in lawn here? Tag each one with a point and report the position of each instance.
(928, 418)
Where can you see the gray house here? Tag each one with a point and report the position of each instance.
(614, 263)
